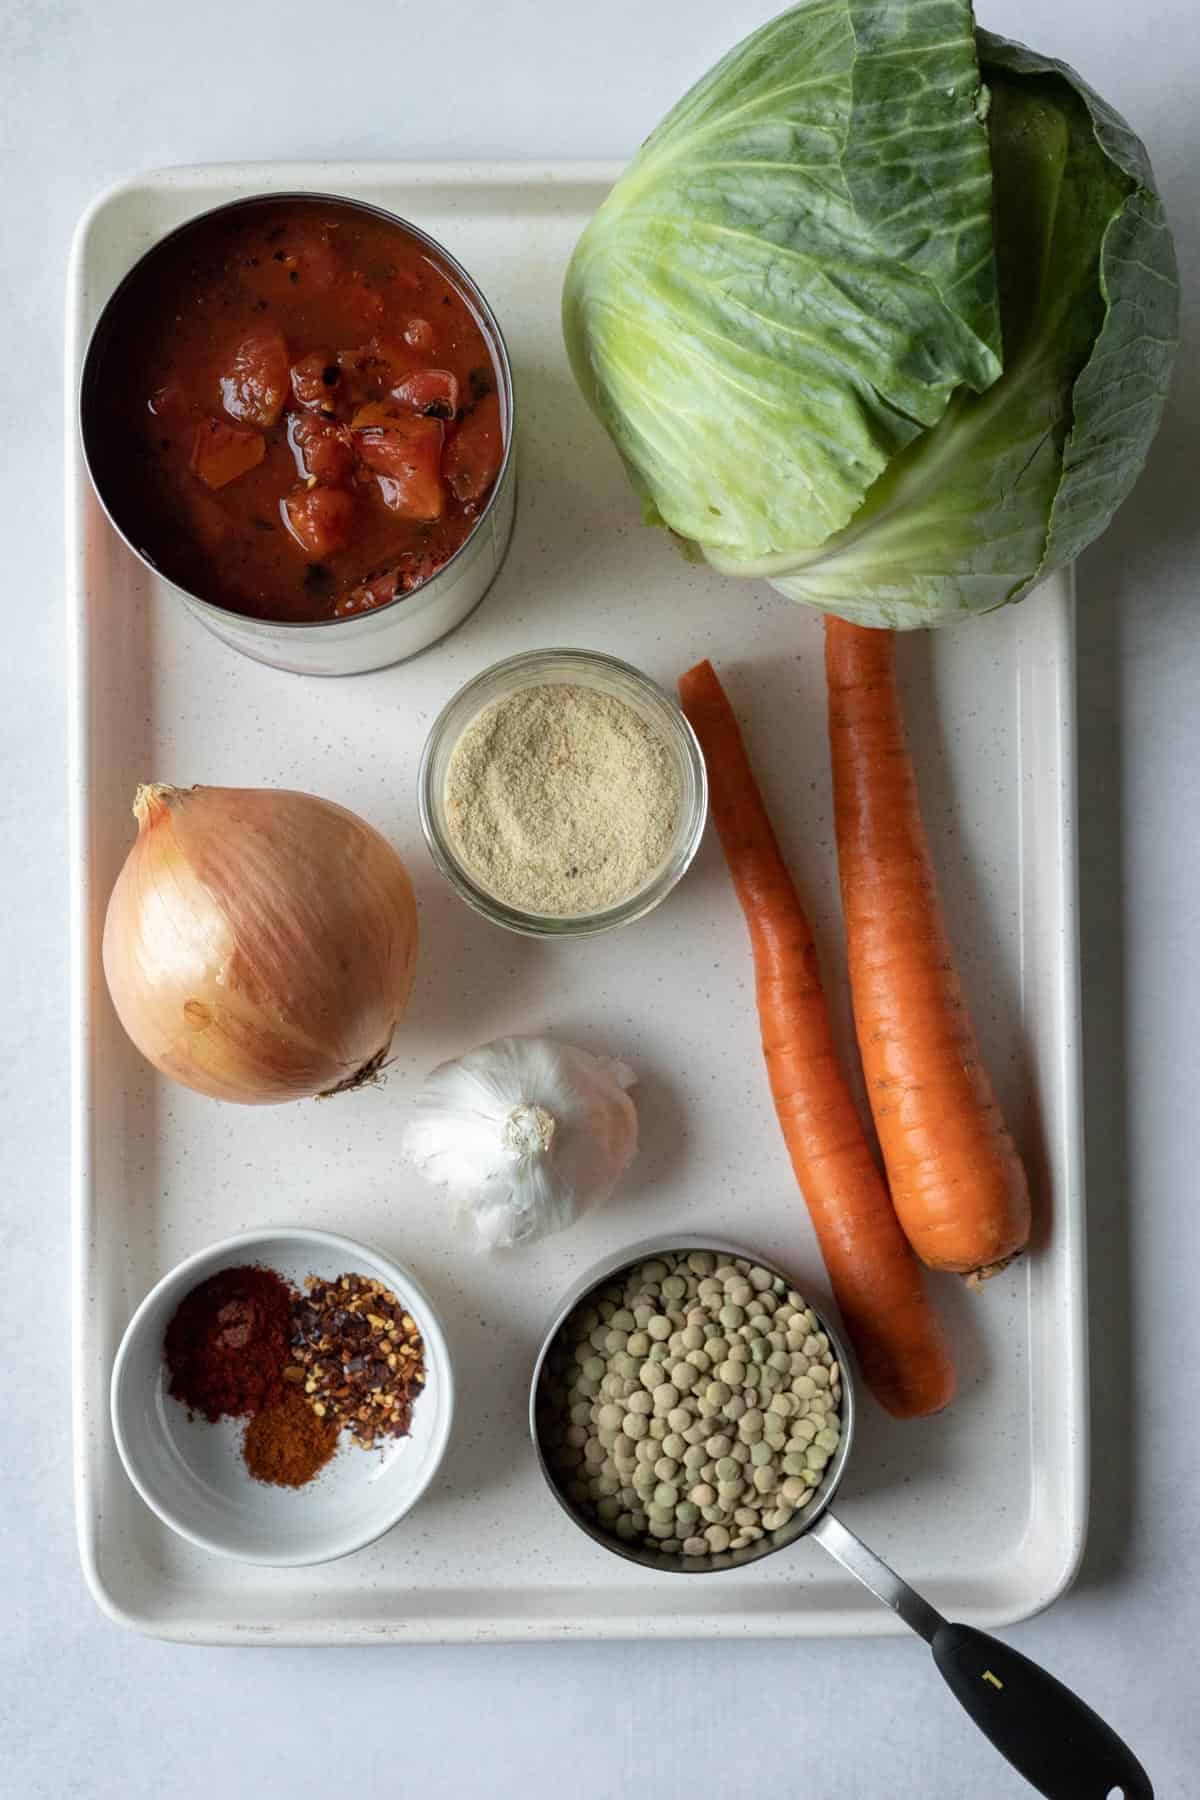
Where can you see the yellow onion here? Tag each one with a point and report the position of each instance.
(259, 944)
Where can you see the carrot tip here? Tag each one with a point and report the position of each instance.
(975, 1278)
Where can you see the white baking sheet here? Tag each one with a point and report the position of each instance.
(985, 1507)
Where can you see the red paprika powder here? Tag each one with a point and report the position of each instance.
(228, 1343)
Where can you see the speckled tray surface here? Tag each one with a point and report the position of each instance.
(984, 1508)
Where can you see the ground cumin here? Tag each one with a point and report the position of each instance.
(561, 800)
(287, 1444)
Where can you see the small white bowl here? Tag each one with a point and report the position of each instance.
(192, 1474)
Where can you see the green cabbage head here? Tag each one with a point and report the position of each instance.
(883, 311)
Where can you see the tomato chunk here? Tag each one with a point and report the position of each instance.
(412, 568)
(321, 447)
(371, 371)
(320, 518)
(221, 452)
(475, 452)
(315, 380)
(377, 591)
(255, 383)
(432, 391)
(405, 451)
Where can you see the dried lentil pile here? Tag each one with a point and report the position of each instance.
(693, 1406)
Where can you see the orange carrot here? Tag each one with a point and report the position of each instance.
(957, 1181)
(875, 1277)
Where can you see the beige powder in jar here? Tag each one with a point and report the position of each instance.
(561, 800)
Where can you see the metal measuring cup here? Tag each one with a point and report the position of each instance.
(1064, 1749)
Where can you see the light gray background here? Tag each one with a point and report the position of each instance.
(91, 94)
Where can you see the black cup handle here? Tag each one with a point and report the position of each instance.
(1060, 1746)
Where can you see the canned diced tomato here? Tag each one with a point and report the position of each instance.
(221, 451)
(254, 385)
(474, 454)
(405, 451)
(320, 518)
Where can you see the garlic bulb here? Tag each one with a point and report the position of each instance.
(524, 1133)
(259, 944)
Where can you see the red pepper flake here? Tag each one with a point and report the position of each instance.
(360, 1356)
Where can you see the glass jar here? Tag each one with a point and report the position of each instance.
(574, 668)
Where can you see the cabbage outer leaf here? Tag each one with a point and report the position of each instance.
(1014, 483)
(795, 277)
(1118, 398)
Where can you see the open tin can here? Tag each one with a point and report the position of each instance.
(369, 639)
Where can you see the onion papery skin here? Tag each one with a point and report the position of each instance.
(260, 944)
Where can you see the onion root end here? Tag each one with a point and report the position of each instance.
(371, 1074)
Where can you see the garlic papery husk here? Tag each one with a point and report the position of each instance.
(524, 1133)
(259, 944)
